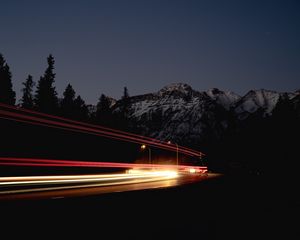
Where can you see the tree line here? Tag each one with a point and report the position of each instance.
(45, 98)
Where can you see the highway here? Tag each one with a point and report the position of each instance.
(135, 176)
(64, 186)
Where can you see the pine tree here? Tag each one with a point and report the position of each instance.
(125, 103)
(27, 98)
(122, 117)
(125, 94)
(46, 97)
(103, 113)
(81, 109)
(68, 108)
(7, 95)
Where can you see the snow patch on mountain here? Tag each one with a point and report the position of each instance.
(182, 88)
(255, 100)
(183, 115)
(226, 99)
(177, 113)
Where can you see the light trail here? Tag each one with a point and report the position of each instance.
(68, 127)
(101, 133)
(75, 163)
(186, 152)
(8, 181)
(155, 172)
(76, 126)
(136, 175)
(96, 127)
(80, 181)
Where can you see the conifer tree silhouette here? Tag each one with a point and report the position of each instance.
(46, 96)
(103, 113)
(27, 100)
(68, 107)
(7, 95)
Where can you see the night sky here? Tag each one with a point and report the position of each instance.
(101, 46)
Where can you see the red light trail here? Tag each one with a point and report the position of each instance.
(75, 163)
(90, 125)
(17, 114)
(15, 187)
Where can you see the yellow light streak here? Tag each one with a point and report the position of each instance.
(192, 170)
(88, 180)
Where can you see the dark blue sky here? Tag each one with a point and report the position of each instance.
(101, 46)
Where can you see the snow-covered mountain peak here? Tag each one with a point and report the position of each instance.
(214, 91)
(183, 115)
(112, 101)
(226, 99)
(257, 99)
(181, 88)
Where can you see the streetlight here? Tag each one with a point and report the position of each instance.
(143, 147)
(201, 159)
(169, 142)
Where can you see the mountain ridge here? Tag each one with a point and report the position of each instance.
(178, 113)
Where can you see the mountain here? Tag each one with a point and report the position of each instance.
(258, 100)
(226, 99)
(180, 114)
(183, 115)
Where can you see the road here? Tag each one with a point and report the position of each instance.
(212, 207)
(54, 187)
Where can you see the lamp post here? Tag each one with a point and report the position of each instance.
(143, 147)
(177, 160)
(201, 159)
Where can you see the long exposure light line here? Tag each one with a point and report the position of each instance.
(88, 128)
(86, 176)
(78, 131)
(67, 126)
(82, 183)
(93, 126)
(75, 163)
(62, 180)
(103, 133)
(14, 117)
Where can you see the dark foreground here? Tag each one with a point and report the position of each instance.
(222, 208)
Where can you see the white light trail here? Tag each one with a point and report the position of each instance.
(80, 181)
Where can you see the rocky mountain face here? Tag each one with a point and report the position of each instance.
(258, 100)
(183, 115)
